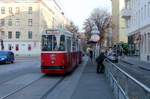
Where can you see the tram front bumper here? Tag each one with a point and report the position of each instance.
(53, 69)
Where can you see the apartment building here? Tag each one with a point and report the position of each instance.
(137, 15)
(118, 23)
(22, 22)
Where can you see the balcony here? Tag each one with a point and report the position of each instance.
(126, 13)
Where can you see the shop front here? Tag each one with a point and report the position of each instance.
(134, 44)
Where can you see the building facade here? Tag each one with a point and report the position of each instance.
(137, 15)
(22, 22)
(118, 23)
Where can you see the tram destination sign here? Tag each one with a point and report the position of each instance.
(52, 31)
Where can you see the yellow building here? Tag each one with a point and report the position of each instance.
(118, 23)
(22, 22)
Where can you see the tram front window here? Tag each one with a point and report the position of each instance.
(53, 43)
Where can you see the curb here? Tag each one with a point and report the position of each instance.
(126, 62)
(141, 67)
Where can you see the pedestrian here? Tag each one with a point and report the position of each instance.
(91, 54)
(99, 60)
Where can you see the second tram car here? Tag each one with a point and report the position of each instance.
(61, 51)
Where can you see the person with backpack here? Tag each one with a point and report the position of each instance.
(99, 60)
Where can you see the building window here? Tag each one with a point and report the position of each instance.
(10, 10)
(29, 47)
(2, 10)
(9, 47)
(10, 22)
(30, 34)
(17, 47)
(17, 23)
(3, 33)
(30, 10)
(2, 22)
(17, 34)
(9, 34)
(17, 10)
(29, 22)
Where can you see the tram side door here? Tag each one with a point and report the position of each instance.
(68, 43)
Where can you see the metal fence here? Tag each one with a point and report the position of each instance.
(123, 85)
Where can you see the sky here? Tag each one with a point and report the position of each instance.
(79, 10)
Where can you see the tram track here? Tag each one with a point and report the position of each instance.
(139, 74)
(52, 88)
(48, 88)
(36, 85)
(19, 89)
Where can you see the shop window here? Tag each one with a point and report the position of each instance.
(9, 47)
(17, 47)
(29, 47)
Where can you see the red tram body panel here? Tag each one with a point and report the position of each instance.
(57, 59)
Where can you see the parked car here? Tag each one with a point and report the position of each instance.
(113, 58)
(6, 57)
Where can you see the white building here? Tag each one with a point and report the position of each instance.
(22, 22)
(137, 15)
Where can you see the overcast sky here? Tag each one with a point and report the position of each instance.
(79, 10)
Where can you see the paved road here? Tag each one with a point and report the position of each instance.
(21, 66)
(23, 80)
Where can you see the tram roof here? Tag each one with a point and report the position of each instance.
(61, 31)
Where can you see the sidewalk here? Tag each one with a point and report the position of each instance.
(92, 85)
(136, 61)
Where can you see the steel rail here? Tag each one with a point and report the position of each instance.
(132, 78)
(52, 88)
(17, 90)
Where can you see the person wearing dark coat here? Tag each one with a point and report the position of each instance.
(91, 55)
(100, 65)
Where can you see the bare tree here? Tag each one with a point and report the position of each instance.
(72, 28)
(102, 20)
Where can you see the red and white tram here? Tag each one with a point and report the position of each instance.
(61, 51)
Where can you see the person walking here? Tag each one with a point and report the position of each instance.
(100, 65)
(91, 54)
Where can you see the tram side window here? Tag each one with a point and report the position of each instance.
(47, 43)
(73, 46)
(59, 43)
(62, 43)
(53, 43)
